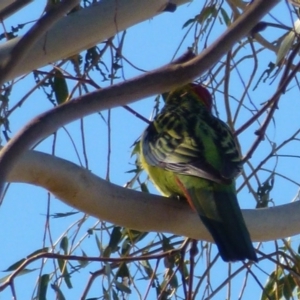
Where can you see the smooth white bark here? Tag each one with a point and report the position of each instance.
(5, 3)
(9, 7)
(84, 191)
(82, 30)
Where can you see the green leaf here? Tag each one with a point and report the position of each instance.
(166, 293)
(144, 188)
(61, 264)
(122, 287)
(209, 11)
(59, 294)
(126, 246)
(135, 235)
(64, 244)
(225, 16)
(23, 272)
(123, 271)
(147, 267)
(42, 250)
(174, 281)
(98, 243)
(183, 269)
(83, 263)
(170, 260)
(64, 270)
(272, 290)
(42, 287)
(60, 87)
(166, 243)
(132, 237)
(287, 42)
(67, 278)
(188, 22)
(115, 239)
(15, 266)
(288, 286)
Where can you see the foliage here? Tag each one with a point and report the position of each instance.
(256, 92)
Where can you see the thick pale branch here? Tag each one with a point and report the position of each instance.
(9, 7)
(5, 3)
(132, 90)
(84, 191)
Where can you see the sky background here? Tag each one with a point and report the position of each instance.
(148, 45)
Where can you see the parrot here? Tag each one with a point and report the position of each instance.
(189, 153)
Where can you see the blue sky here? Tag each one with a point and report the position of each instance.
(148, 45)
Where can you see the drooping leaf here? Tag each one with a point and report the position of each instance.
(64, 270)
(15, 265)
(288, 286)
(83, 263)
(59, 293)
(42, 287)
(63, 215)
(173, 281)
(114, 241)
(42, 250)
(209, 11)
(67, 279)
(98, 243)
(147, 268)
(144, 188)
(60, 87)
(64, 244)
(122, 287)
(287, 42)
(22, 272)
(123, 271)
(225, 16)
(61, 264)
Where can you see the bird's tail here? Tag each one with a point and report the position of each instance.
(219, 210)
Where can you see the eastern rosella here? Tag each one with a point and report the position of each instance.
(187, 152)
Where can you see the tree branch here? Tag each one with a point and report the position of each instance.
(155, 82)
(86, 192)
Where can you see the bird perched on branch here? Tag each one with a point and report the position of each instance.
(189, 153)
